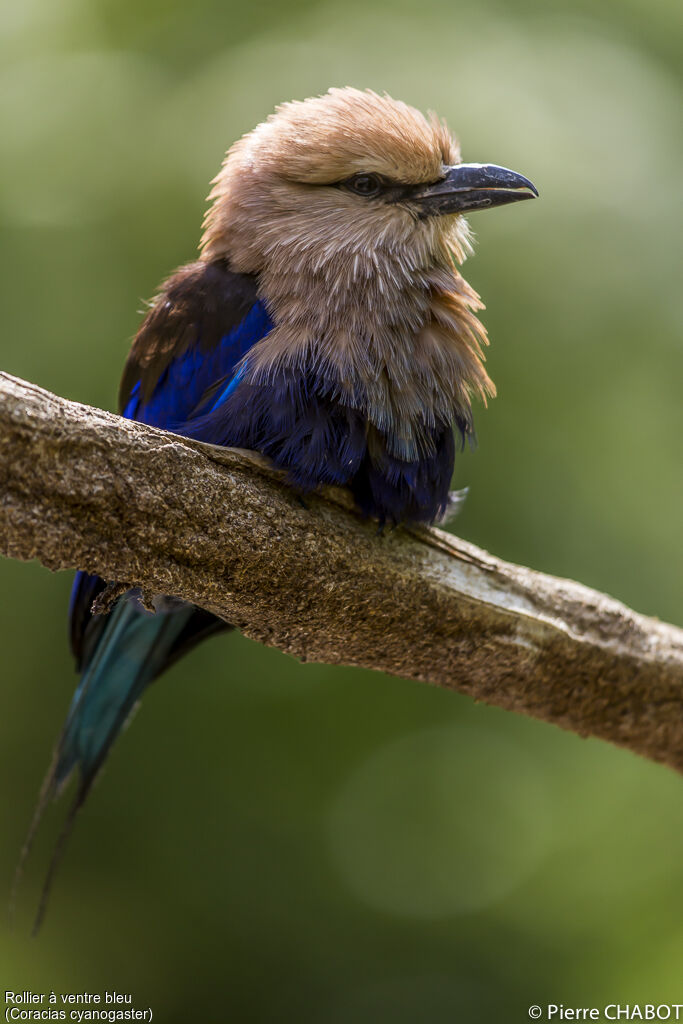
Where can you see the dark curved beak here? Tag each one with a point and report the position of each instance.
(473, 187)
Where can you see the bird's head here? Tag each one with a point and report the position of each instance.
(348, 208)
(349, 175)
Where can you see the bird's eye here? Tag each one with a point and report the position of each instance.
(364, 184)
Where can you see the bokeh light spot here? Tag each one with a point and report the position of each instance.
(440, 822)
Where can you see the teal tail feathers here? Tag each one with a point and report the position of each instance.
(133, 649)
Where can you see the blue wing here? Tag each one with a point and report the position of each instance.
(193, 381)
(200, 326)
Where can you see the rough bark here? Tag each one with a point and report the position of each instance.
(82, 488)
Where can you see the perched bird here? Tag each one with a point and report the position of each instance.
(324, 325)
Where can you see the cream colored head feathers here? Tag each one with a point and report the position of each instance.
(270, 180)
(367, 291)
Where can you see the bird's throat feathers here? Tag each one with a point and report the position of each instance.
(386, 325)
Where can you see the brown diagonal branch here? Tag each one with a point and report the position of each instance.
(82, 488)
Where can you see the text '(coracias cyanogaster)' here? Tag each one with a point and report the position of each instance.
(324, 325)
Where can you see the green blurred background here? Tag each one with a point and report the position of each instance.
(273, 841)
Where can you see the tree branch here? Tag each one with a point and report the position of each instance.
(84, 489)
